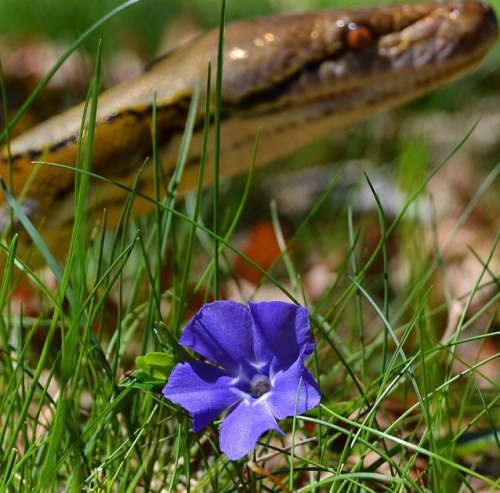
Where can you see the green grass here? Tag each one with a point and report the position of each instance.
(400, 396)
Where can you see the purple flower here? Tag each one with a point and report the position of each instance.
(260, 351)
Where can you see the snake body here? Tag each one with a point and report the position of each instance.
(295, 77)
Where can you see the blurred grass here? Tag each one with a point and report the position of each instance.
(145, 21)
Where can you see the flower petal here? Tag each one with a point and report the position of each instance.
(222, 333)
(244, 425)
(203, 390)
(293, 391)
(281, 330)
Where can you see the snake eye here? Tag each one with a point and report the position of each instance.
(358, 37)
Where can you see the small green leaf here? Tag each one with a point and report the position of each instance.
(475, 443)
(143, 381)
(156, 364)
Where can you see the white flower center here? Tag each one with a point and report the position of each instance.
(259, 385)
